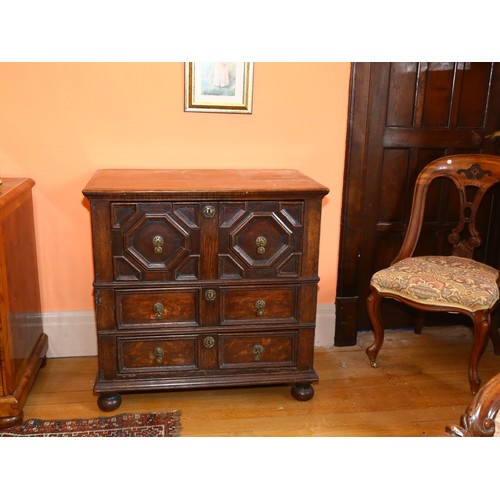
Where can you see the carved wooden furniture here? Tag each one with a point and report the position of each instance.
(23, 345)
(402, 115)
(204, 278)
(481, 419)
(454, 283)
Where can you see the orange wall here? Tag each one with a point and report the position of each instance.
(59, 122)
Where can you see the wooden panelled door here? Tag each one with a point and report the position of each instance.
(402, 116)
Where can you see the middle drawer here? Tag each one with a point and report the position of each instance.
(259, 304)
(165, 308)
(157, 308)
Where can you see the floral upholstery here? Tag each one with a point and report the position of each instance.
(441, 281)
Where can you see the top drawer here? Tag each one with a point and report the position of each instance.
(161, 241)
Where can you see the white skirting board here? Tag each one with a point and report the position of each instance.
(325, 325)
(73, 333)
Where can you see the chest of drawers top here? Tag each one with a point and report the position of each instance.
(202, 184)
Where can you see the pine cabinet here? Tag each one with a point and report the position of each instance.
(23, 345)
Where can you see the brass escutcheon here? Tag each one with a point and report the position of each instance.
(159, 310)
(158, 353)
(210, 295)
(260, 305)
(208, 342)
(261, 242)
(257, 351)
(209, 211)
(158, 242)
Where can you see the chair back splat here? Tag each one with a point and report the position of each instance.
(473, 176)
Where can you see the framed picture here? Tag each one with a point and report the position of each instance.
(219, 87)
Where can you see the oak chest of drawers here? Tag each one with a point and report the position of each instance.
(204, 278)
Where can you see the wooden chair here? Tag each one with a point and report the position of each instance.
(454, 283)
(481, 419)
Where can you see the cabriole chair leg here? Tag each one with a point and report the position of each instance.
(373, 306)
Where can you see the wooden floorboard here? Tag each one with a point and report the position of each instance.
(419, 387)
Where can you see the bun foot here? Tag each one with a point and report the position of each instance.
(302, 392)
(109, 402)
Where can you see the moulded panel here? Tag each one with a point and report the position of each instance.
(121, 213)
(439, 86)
(476, 81)
(425, 156)
(402, 92)
(155, 241)
(394, 172)
(276, 239)
(140, 242)
(386, 248)
(260, 239)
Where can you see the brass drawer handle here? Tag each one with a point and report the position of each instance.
(261, 243)
(210, 295)
(257, 351)
(260, 305)
(158, 242)
(208, 342)
(159, 310)
(158, 353)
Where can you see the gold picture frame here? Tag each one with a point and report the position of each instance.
(225, 87)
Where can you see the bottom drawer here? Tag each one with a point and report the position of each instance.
(176, 355)
(158, 354)
(256, 350)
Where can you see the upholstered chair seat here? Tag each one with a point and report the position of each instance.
(445, 281)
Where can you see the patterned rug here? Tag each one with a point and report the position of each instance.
(164, 424)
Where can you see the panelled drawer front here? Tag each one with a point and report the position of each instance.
(155, 241)
(267, 304)
(153, 355)
(259, 239)
(157, 308)
(257, 350)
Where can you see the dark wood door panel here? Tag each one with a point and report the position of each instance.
(402, 116)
